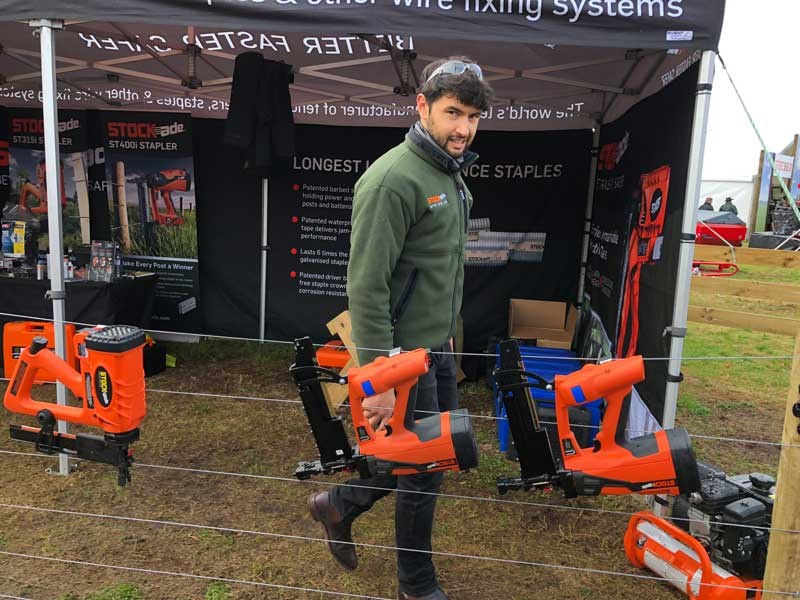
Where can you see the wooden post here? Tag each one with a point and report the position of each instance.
(82, 196)
(783, 558)
(122, 207)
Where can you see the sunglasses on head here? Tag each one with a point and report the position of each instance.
(456, 67)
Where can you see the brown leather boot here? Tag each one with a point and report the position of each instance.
(437, 594)
(337, 530)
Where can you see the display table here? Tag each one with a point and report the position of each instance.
(127, 301)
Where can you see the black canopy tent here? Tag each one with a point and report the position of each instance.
(558, 64)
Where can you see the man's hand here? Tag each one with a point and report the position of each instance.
(379, 409)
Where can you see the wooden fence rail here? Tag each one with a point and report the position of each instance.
(749, 256)
(744, 320)
(731, 286)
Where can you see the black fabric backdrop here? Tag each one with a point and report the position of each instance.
(658, 132)
(553, 205)
(228, 233)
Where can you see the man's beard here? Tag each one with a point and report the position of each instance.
(441, 141)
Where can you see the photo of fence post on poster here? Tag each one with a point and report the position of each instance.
(153, 206)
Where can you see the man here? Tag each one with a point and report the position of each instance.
(728, 206)
(404, 287)
(706, 205)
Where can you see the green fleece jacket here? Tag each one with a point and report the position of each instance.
(406, 268)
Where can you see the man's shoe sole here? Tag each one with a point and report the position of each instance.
(312, 509)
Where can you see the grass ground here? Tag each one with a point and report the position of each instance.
(213, 494)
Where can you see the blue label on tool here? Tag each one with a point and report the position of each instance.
(368, 389)
(577, 393)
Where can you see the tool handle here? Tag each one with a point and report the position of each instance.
(18, 394)
(612, 380)
(400, 373)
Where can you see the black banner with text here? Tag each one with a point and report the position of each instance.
(309, 227)
(636, 227)
(526, 222)
(524, 236)
(620, 23)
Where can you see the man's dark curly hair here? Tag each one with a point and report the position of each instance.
(469, 90)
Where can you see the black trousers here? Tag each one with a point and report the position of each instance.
(413, 515)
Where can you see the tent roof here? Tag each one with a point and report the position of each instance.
(599, 23)
(352, 79)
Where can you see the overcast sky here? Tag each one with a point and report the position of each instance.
(759, 45)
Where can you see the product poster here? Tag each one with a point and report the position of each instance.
(4, 160)
(149, 169)
(27, 185)
(634, 240)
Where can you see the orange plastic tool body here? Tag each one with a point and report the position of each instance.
(672, 553)
(333, 354)
(612, 458)
(109, 385)
(19, 334)
(404, 440)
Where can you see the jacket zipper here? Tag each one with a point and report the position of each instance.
(405, 296)
(462, 194)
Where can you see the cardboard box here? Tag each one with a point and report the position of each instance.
(551, 324)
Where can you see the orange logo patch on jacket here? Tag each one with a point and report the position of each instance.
(438, 200)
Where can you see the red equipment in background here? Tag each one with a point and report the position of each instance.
(164, 183)
(715, 228)
(109, 385)
(644, 247)
(710, 268)
(672, 553)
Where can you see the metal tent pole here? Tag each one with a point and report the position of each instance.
(56, 293)
(681, 309)
(587, 221)
(262, 319)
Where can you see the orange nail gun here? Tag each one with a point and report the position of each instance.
(110, 387)
(658, 463)
(439, 442)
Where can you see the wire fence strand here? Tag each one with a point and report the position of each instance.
(449, 496)
(453, 353)
(189, 576)
(472, 415)
(486, 559)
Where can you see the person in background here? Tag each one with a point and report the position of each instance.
(404, 288)
(728, 206)
(706, 205)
